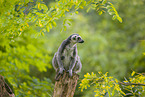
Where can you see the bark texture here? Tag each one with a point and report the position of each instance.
(66, 86)
(5, 90)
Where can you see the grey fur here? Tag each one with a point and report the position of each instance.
(66, 58)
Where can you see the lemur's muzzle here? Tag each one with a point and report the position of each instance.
(82, 41)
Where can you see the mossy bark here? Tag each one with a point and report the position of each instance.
(5, 90)
(66, 85)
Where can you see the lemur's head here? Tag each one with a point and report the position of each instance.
(76, 38)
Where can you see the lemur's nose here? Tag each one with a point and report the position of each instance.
(82, 41)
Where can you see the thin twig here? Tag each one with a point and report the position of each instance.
(127, 84)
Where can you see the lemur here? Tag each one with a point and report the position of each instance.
(66, 58)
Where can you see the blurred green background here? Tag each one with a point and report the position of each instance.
(110, 46)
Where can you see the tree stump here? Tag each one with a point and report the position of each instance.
(66, 86)
(5, 90)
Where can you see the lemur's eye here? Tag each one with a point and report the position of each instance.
(78, 38)
(74, 38)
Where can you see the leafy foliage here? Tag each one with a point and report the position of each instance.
(107, 85)
(35, 87)
(20, 51)
(44, 17)
(112, 11)
(26, 49)
(102, 6)
(18, 57)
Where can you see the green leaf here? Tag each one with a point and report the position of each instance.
(111, 13)
(38, 6)
(104, 1)
(54, 23)
(83, 3)
(64, 28)
(47, 28)
(42, 33)
(88, 9)
(110, 10)
(76, 12)
(100, 12)
(120, 19)
(40, 24)
(108, 7)
(43, 6)
(50, 26)
(132, 74)
(114, 17)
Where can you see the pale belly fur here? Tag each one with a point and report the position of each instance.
(68, 53)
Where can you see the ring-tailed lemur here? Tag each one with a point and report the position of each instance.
(66, 58)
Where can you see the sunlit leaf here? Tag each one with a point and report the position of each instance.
(50, 26)
(104, 1)
(88, 9)
(100, 12)
(42, 33)
(76, 12)
(40, 24)
(132, 74)
(120, 19)
(114, 17)
(47, 28)
(38, 6)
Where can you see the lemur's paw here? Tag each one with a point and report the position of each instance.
(67, 71)
(61, 70)
(74, 72)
